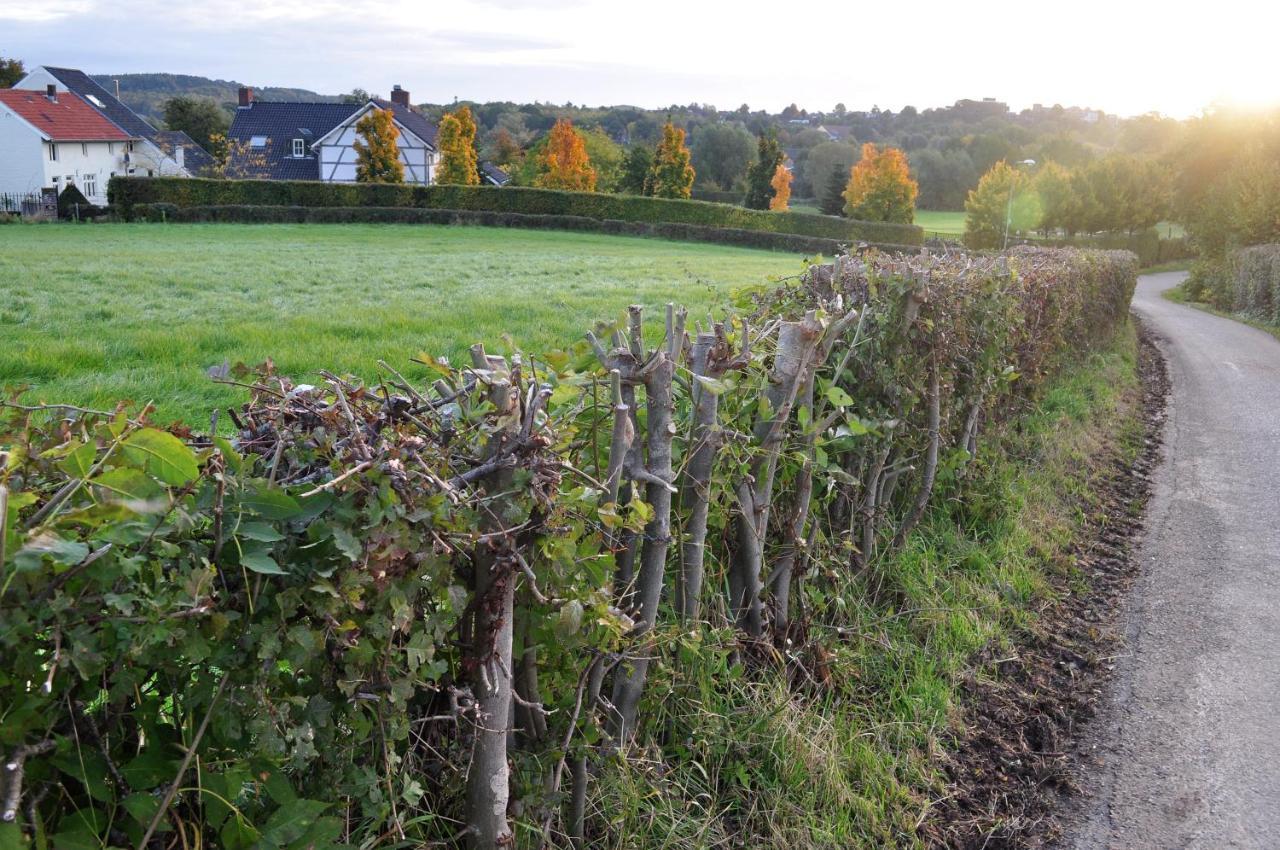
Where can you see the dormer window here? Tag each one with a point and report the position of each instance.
(258, 141)
(299, 147)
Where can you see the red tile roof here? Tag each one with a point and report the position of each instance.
(71, 119)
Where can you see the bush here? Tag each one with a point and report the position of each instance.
(296, 635)
(127, 192)
(1254, 283)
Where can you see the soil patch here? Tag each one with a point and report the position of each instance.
(1019, 751)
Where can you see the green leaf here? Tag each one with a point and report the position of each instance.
(271, 503)
(234, 461)
(260, 531)
(291, 821)
(142, 807)
(161, 455)
(279, 789)
(838, 397)
(261, 562)
(56, 549)
(11, 837)
(238, 834)
(78, 463)
(128, 483)
(714, 386)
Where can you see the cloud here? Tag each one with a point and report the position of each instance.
(47, 12)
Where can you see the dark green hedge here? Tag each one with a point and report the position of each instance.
(789, 242)
(127, 192)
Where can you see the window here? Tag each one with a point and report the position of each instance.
(95, 101)
(53, 151)
(258, 141)
(111, 147)
(90, 185)
(299, 147)
(84, 148)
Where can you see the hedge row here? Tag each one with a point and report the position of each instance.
(1252, 283)
(126, 193)
(372, 615)
(791, 243)
(1151, 248)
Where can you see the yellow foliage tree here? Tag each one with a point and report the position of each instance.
(781, 184)
(457, 143)
(377, 155)
(672, 175)
(564, 163)
(880, 187)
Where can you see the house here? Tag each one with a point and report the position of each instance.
(168, 153)
(492, 175)
(55, 139)
(837, 132)
(315, 141)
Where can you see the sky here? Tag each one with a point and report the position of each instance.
(1121, 56)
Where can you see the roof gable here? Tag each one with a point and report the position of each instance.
(406, 119)
(69, 119)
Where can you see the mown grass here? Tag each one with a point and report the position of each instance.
(761, 765)
(947, 222)
(93, 314)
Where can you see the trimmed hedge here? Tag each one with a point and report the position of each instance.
(1253, 283)
(407, 215)
(1150, 247)
(126, 193)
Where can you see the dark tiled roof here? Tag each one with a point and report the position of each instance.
(494, 174)
(280, 124)
(70, 118)
(411, 121)
(106, 103)
(195, 159)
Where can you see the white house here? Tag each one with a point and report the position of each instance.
(155, 152)
(314, 141)
(55, 139)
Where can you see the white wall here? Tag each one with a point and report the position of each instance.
(21, 170)
(89, 165)
(338, 157)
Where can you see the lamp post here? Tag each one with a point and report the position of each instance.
(1008, 212)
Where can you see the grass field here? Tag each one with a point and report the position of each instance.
(947, 222)
(92, 314)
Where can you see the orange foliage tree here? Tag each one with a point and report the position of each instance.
(781, 184)
(565, 164)
(880, 187)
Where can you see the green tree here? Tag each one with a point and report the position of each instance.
(637, 169)
(824, 158)
(199, 117)
(1000, 201)
(673, 174)
(606, 157)
(456, 142)
(722, 154)
(1052, 185)
(880, 187)
(833, 195)
(11, 70)
(760, 176)
(377, 155)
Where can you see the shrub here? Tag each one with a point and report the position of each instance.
(126, 192)
(1254, 283)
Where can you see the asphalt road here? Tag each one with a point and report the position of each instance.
(1189, 743)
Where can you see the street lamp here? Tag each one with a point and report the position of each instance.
(1008, 213)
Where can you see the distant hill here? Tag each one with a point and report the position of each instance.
(147, 93)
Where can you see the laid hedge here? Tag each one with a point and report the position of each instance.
(126, 193)
(407, 215)
(307, 633)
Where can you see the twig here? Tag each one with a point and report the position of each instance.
(14, 769)
(330, 484)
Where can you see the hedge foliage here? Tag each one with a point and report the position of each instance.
(299, 634)
(811, 245)
(127, 192)
(1148, 245)
(1252, 283)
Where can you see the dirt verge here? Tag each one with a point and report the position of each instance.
(1018, 755)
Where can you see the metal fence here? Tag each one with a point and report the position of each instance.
(29, 204)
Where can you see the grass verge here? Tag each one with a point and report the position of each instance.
(848, 756)
(1178, 295)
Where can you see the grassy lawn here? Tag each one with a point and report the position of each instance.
(92, 314)
(947, 222)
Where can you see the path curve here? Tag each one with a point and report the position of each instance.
(1188, 746)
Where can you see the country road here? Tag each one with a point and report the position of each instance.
(1188, 745)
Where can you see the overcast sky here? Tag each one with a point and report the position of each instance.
(1121, 56)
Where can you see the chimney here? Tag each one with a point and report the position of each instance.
(51, 92)
(180, 156)
(246, 97)
(399, 95)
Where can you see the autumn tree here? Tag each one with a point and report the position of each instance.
(377, 155)
(11, 70)
(672, 171)
(564, 163)
(637, 171)
(1001, 203)
(456, 142)
(880, 187)
(781, 185)
(760, 175)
